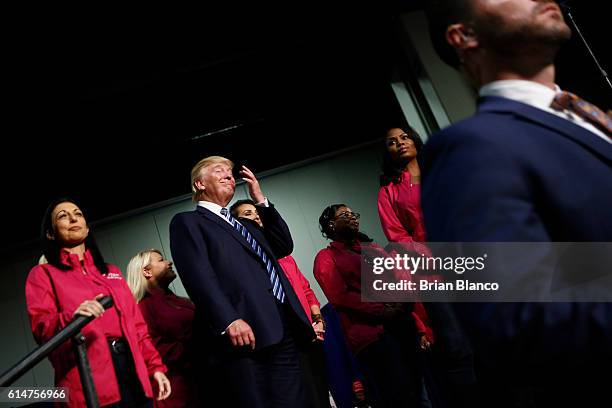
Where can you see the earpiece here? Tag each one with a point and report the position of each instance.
(461, 36)
(466, 34)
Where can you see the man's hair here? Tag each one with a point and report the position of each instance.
(234, 208)
(440, 15)
(202, 164)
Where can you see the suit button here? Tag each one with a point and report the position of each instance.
(270, 290)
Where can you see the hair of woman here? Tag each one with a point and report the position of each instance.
(51, 247)
(135, 279)
(391, 171)
(325, 223)
(238, 203)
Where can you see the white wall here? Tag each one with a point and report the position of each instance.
(447, 92)
(17, 339)
(299, 193)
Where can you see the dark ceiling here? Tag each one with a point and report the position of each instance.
(114, 107)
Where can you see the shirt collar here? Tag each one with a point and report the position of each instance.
(213, 207)
(68, 258)
(527, 92)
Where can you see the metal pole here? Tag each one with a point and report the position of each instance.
(89, 388)
(38, 354)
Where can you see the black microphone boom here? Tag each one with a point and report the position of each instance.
(564, 5)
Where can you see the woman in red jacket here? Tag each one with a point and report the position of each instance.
(313, 361)
(122, 358)
(382, 336)
(399, 197)
(401, 217)
(170, 321)
(299, 283)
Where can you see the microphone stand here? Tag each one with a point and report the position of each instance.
(603, 72)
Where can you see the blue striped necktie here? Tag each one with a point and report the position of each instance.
(277, 287)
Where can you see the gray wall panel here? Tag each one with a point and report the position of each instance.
(300, 195)
(105, 244)
(18, 338)
(131, 236)
(163, 217)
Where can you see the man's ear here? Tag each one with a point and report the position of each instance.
(461, 37)
(199, 185)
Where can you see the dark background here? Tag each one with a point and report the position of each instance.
(113, 107)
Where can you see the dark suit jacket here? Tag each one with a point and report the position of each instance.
(514, 173)
(226, 279)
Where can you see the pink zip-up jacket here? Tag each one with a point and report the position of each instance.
(300, 284)
(52, 296)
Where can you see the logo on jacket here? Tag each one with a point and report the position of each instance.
(114, 275)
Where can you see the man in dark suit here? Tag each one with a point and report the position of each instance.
(246, 307)
(530, 165)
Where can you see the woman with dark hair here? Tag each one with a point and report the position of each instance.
(301, 286)
(401, 217)
(312, 358)
(399, 205)
(399, 198)
(387, 356)
(122, 358)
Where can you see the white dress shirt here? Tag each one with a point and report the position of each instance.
(216, 208)
(539, 96)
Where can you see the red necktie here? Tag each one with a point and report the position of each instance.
(587, 111)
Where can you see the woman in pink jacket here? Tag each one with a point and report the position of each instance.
(399, 197)
(170, 321)
(399, 208)
(382, 336)
(313, 361)
(301, 286)
(122, 358)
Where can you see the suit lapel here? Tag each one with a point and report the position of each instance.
(257, 233)
(564, 127)
(234, 233)
(209, 215)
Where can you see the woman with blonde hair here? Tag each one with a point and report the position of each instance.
(169, 318)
